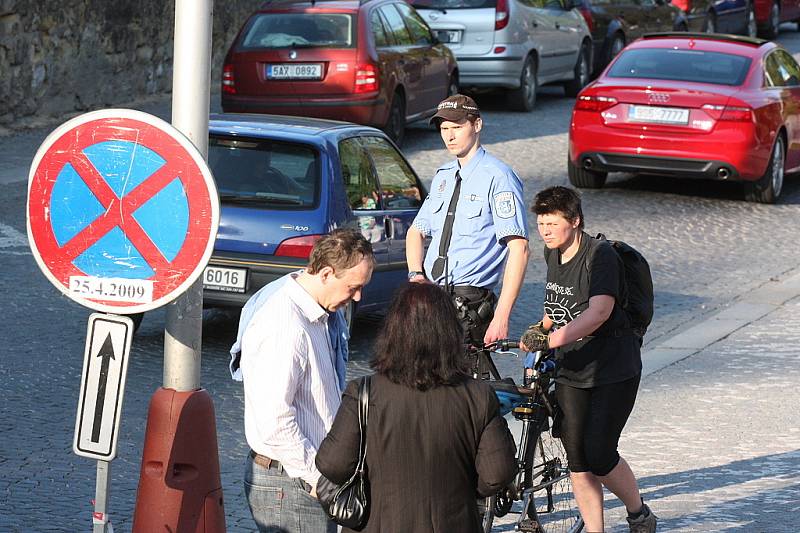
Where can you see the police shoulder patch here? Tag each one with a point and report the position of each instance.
(504, 204)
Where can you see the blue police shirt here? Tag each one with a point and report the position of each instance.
(337, 330)
(490, 208)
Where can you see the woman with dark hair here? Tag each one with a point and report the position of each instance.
(435, 438)
(597, 353)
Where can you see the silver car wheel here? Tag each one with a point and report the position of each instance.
(752, 28)
(775, 17)
(530, 82)
(584, 73)
(777, 168)
(711, 25)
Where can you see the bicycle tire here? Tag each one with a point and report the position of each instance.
(553, 505)
(486, 513)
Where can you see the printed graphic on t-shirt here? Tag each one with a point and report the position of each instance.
(558, 306)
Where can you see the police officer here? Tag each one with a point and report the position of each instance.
(476, 217)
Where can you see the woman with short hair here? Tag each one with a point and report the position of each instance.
(435, 438)
(598, 356)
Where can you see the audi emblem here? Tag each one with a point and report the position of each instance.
(658, 98)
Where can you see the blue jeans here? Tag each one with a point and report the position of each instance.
(282, 504)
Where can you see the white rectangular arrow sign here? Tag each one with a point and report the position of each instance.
(105, 365)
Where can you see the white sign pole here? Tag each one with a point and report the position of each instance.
(105, 368)
(191, 81)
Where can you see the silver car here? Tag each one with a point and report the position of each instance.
(513, 44)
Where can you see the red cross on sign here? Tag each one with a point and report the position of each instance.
(122, 211)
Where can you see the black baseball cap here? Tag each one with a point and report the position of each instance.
(455, 108)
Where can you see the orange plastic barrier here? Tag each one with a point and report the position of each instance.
(179, 484)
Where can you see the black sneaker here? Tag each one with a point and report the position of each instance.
(646, 523)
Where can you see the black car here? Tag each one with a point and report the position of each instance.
(615, 23)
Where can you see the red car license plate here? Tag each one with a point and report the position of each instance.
(658, 115)
(295, 71)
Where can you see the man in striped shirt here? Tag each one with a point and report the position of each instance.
(291, 387)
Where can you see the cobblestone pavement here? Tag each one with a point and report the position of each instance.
(719, 440)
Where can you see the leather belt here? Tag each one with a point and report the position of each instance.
(263, 460)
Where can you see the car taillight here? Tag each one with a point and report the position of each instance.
(299, 247)
(228, 83)
(367, 78)
(684, 5)
(587, 15)
(501, 15)
(594, 103)
(729, 113)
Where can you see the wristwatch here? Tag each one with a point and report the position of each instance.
(414, 273)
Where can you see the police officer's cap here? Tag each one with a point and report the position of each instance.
(455, 109)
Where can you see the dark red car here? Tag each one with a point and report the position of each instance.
(771, 13)
(372, 62)
(691, 105)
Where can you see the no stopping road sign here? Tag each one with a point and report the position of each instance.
(122, 211)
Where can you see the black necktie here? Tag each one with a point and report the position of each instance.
(447, 231)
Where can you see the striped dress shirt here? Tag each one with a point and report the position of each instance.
(291, 390)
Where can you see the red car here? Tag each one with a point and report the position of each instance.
(374, 63)
(771, 13)
(691, 105)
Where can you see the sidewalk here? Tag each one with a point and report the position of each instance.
(714, 438)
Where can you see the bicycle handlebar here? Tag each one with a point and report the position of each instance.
(502, 345)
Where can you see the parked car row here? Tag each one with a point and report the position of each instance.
(379, 63)
(684, 104)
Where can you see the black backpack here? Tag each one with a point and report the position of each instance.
(638, 294)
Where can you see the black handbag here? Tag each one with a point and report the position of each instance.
(348, 504)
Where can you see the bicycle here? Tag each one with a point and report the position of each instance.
(542, 482)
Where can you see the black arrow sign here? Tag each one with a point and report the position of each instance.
(107, 354)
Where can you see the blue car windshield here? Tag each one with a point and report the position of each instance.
(681, 65)
(264, 173)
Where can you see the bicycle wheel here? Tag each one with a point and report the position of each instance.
(486, 513)
(553, 505)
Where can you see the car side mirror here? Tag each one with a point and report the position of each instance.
(435, 40)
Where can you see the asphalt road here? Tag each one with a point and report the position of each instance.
(706, 247)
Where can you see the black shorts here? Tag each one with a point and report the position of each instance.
(592, 422)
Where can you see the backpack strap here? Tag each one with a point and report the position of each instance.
(619, 332)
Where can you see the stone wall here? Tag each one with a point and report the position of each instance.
(65, 56)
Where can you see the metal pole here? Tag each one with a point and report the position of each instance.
(100, 518)
(191, 81)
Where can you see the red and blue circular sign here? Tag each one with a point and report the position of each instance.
(122, 211)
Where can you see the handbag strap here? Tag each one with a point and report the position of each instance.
(363, 415)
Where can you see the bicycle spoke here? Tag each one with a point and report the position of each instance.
(555, 507)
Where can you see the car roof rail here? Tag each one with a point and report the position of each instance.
(707, 36)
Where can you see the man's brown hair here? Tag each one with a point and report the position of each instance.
(341, 249)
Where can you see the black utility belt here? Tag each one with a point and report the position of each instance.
(472, 294)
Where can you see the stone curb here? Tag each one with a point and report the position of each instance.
(749, 308)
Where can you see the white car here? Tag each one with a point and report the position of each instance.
(516, 45)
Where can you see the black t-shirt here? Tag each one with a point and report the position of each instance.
(611, 354)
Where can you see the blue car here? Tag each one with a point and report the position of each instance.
(285, 181)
